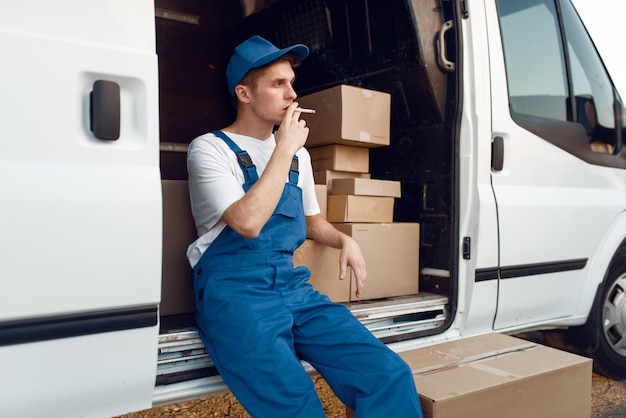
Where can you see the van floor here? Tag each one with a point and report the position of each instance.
(182, 356)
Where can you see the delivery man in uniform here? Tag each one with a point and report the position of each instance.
(253, 200)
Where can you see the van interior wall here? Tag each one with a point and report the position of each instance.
(368, 43)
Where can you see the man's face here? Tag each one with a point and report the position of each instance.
(273, 92)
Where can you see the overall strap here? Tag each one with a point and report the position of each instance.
(248, 167)
(245, 162)
(294, 171)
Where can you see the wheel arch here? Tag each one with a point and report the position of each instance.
(587, 336)
(613, 243)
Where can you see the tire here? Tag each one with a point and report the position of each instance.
(609, 354)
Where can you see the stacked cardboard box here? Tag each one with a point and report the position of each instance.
(348, 122)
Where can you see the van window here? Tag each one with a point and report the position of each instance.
(534, 59)
(548, 82)
(592, 88)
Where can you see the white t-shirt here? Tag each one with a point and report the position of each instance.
(216, 179)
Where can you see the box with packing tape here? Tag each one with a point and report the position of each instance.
(351, 208)
(499, 376)
(340, 158)
(366, 187)
(348, 115)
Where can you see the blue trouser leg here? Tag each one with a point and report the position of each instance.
(365, 374)
(258, 332)
(248, 333)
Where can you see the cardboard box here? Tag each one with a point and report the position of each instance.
(323, 261)
(366, 187)
(321, 192)
(348, 115)
(327, 176)
(350, 208)
(497, 376)
(340, 158)
(391, 251)
(179, 231)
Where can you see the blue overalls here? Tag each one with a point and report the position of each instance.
(258, 316)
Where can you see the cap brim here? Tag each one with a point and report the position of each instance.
(299, 50)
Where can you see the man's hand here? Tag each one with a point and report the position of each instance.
(292, 132)
(351, 256)
(320, 230)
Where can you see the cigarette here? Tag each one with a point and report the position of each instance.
(302, 110)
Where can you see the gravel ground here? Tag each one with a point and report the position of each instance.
(608, 397)
(608, 400)
(226, 405)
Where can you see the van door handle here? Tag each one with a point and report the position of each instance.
(442, 56)
(104, 110)
(497, 153)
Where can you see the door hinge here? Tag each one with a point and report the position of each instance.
(464, 9)
(467, 248)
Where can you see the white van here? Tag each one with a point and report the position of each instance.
(507, 136)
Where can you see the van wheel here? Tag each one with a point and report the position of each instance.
(610, 353)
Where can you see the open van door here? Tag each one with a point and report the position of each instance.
(557, 193)
(80, 231)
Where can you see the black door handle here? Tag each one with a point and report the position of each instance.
(104, 109)
(497, 153)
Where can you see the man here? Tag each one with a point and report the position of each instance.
(253, 200)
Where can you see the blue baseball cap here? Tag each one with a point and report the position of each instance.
(256, 52)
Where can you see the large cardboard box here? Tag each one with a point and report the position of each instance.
(498, 376)
(321, 192)
(323, 261)
(340, 158)
(366, 187)
(348, 115)
(327, 176)
(179, 231)
(391, 251)
(350, 208)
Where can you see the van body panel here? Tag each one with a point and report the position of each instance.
(553, 207)
(97, 375)
(110, 23)
(81, 216)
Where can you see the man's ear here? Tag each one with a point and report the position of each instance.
(241, 92)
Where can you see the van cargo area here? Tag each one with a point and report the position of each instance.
(373, 44)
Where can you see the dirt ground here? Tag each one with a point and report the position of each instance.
(608, 397)
(608, 400)
(226, 405)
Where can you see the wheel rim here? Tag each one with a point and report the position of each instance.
(614, 316)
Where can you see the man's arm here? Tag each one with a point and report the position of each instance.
(249, 215)
(320, 230)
